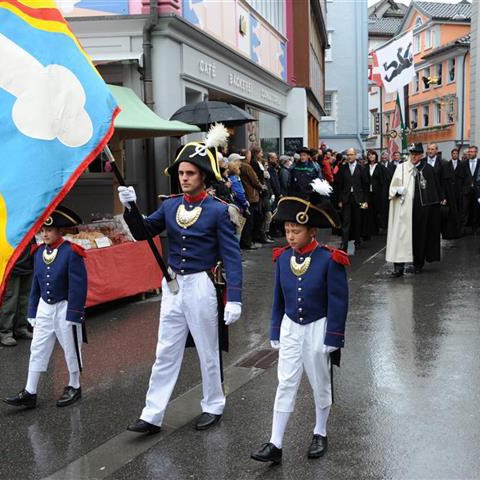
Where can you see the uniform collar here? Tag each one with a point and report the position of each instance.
(56, 244)
(196, 198)
(308, 248)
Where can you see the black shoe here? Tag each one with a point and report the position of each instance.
(70, 395)
(318, 447)
(268, 453)
(397, 273)
(141, 426)
(22, 399)
(207, 420)
(251, 247)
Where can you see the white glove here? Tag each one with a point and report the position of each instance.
(478, 200)
(329, 349)
(32, 321)
(401, 190)
(126, 195)
(233, 310)
(275, 344)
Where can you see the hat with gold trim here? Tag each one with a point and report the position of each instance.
(203, 154)
(316, 212)
(62, 217)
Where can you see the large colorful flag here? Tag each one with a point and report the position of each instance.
(397, 138)
(56, 115)
(395, 62)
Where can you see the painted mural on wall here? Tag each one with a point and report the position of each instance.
(90, 8)
(234, 24)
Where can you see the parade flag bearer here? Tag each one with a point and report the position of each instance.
(56, 308)
(200, 234)
(310, 304)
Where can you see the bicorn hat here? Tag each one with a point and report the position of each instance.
(416, 148)
(62, 217)
(203, 154)
(316, 212)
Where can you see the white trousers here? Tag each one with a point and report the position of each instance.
(301, 347)
(193, 308)
(50, 324)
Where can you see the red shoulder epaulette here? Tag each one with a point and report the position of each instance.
(78, 249)
(338, 256)
(277, 251)
(34, 248)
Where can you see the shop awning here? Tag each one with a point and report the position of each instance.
(136, 120)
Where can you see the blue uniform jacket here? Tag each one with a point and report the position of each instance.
(321, 292)
(197, 248)
(64, 279)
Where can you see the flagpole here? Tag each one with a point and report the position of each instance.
(381, 120)
(171, 280)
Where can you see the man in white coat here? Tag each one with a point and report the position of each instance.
(413, 191)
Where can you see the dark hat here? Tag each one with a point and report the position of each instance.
(62, 217)
(317, 211)
(203, 154)
(416, 148)
(305, 150)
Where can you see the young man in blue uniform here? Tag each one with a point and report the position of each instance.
(200, 233)
(309, 311)
(56, 308)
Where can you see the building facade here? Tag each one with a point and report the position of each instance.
(474, 76)
(439, 95)
(345, 123)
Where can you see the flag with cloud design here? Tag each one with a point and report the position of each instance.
(56, 115)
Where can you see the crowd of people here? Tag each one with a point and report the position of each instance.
(255, 182)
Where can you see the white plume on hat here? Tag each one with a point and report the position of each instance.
(217, 136)
(322, 187)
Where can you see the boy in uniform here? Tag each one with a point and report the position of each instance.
(309, 311)
(56, 308)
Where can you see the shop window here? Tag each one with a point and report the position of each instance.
(273, 11)
(451, 70)
(426, 116)
(269, 132)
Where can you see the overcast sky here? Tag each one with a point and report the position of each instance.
(407, 2)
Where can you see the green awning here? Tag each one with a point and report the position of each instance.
(136, 120)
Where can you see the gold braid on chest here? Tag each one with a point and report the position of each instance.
(186, 218)
(297, 268)
(49, 258)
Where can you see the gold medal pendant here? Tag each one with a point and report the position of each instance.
(186, 218)
(49, 258)
(299, 269)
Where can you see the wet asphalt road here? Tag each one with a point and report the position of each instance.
(407, 394)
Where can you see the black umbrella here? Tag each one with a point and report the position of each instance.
(202, 114)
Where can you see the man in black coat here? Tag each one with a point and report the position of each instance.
(394, 163)
(353, 188)
(470, 190)
(453, 178)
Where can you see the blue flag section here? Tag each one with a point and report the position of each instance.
(56, 115)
